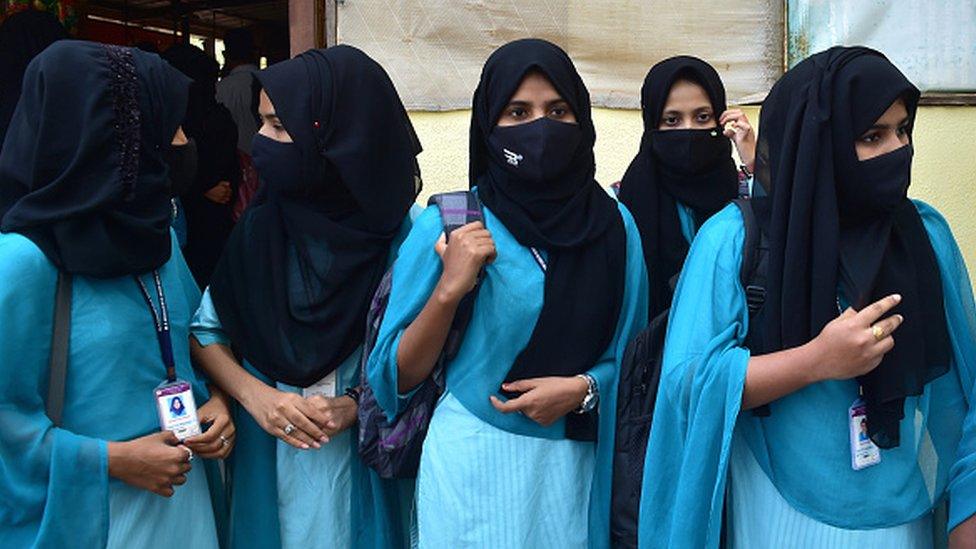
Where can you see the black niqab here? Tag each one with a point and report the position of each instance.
(836, 223)
(296, 278)
(570, 217)
(702, 177)
(83, 173)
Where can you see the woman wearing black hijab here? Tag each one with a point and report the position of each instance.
(337, 157)
(684, 171)
(207, 203)
(510, 459)
(84, 200)
(22, 36)
(851, 261)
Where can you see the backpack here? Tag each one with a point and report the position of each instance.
(392, 448)
(640, 373)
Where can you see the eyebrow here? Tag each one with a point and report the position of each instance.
(906, 121)
(551, 102)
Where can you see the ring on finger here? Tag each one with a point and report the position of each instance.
(289, 429)
(224, 441)
(878, 332)
(189, 454)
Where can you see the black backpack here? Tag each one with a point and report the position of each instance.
(640, 373)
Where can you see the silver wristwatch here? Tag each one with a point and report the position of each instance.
(592, 395)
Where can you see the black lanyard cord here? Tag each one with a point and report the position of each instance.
(161, 323)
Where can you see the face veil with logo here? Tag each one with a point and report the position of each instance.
(538, 179)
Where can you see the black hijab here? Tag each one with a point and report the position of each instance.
(296, 278)
(203, 70)
(23, 35)
(694, 167)
(570, 217)
(839, 223)
(83, 173)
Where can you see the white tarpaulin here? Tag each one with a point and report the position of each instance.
(434, 49)
(933, 43)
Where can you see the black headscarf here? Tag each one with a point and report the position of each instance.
(295, 280)
(570, 217)
(83, 173)
(839, 223)
(694, 167)
(22, 36)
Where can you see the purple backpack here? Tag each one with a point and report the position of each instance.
(392, 448)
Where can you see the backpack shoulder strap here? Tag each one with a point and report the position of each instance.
(752, 273)
(457, 209)
(58, 365)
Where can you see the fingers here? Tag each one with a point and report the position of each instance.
(305, 430)
(179, 480)
(521, 386)
(509, 406)
(166, 437)
(441, 246)
(212, 434)
(870, 314)
(848, 313)
(887, 326)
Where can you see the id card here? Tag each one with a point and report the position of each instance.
(325, 387)
(177, 409)
(864, 453)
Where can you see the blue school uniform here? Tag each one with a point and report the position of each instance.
(802, 448)
(54, 485)
(285, 497)
(487, 478)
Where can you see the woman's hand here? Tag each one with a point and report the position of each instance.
(217, 441)
(339, 412)
(287, 416)
(155, 462)
(221, 193)
(738, 129)
(469, 249)
(543, 399)
(854, 343)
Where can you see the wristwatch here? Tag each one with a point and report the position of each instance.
(592, 395)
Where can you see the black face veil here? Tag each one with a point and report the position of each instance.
(694, 167)
(840, 224)
(568, 215)
(295, 280)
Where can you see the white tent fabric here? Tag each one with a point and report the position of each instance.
(434, 49)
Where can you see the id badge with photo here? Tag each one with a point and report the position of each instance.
(864, 453)
(177, 409)
(324, 387)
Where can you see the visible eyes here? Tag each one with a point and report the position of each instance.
(875, 136)
(700, 118)
(517, 113)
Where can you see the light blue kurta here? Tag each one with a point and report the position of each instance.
(487, 478)
(54, 485)
(803, 446)
(286, 497)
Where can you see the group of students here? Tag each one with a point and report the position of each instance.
(750, 444)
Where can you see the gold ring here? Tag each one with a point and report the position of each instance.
(877, 332)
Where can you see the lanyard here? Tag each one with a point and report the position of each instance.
(161, 323)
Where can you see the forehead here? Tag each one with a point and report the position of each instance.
(265, 106)
(535, 86)
(686, 94)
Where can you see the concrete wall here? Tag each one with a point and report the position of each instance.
(944, 171)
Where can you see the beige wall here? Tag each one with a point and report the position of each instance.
(944, 170)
